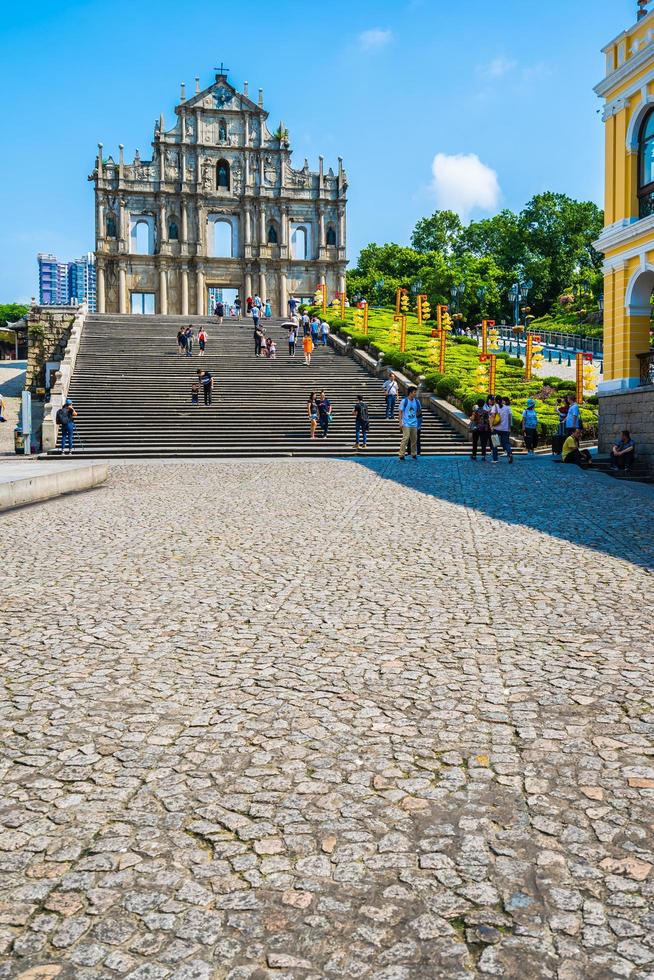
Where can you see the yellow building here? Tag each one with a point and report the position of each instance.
(627, 240)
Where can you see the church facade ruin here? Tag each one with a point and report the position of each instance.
(218, 207)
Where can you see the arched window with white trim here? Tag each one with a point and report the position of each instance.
(299, 243)
(646, 166)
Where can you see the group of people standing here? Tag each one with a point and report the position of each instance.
(186, 338)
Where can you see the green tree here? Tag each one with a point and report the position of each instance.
(442, 232)
(10, 312)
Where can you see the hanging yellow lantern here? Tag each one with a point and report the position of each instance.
(493, 338)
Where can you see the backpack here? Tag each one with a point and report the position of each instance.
(363, 413)
(62, 417)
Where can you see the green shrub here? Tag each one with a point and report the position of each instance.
(515, 361)
(446, 386)
(551, 382)
(470, 400)
(465, 341)
(431, 380)
(591, 400)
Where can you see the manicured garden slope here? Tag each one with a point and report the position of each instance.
(459, 382)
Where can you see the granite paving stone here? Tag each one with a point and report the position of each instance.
(329, 718)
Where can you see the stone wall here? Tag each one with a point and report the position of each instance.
(633, 410)
(48, 330)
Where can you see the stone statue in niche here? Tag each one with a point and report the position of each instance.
(237, 178)
(269, 170)
(207, 176)
(172, 160)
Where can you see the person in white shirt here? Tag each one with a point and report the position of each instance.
(572, 418)
(503, 430)
(324, 332)
(391, 389)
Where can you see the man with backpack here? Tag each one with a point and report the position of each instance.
(410, 412)
(65, 418)
(220, 310)
(206, 382)
(361, 423)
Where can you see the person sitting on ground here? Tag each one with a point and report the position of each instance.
(195, 393)
(573, 454)
(623, 452)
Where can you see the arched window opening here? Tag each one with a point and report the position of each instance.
(223, 240)
(331, 236)
(111, 227)
(646, 166)
(222, 174)
(173, 232)
(222, 131)
(272, 235)
(142, 238)
(299, 243)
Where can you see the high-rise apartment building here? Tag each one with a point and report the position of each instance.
(66, 283)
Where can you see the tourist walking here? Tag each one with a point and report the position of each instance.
(181, 341)
(202, 341)
(292, 305)
(189, 341)
(237, 307)
(65, 417)
(267, 311)
(312, 412)
(307, 347)
(324, 413)
(258, 303)
(248, 305)
(315, 328)
(480, 429)
(292, 336)
(258, 337)
(492, 406)
(220, 310)
(361, 423)
(391, 389)
(503, 430)
(409, 423)
(324, 332)
(206, 383)
(530, 427)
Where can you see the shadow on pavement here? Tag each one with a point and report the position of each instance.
(588, 509)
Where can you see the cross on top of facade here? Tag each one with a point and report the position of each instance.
(222, 71)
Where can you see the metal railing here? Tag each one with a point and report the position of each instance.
(572, 342)
(647, 368)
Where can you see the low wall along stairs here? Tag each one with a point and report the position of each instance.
(132, 392)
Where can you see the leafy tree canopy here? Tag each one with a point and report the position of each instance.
(10, 312)
(549, 242)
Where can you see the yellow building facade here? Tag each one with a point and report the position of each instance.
(627, 241)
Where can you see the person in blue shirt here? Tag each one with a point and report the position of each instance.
(530, 426)
(410, 411)
(572, 418)
(623, 452)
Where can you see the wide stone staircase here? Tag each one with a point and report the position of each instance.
(132, 391)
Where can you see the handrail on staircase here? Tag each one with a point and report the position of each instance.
(59, 391)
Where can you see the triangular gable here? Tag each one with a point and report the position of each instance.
(238, 100)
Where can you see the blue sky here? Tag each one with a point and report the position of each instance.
(389, 86)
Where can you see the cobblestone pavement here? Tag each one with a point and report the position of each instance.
(308, 719)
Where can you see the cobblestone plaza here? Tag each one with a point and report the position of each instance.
(305, 719)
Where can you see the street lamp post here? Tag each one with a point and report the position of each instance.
(379, 285)
(518, 294)
(456, 292)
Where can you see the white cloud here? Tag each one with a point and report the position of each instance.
(497, 68)
(500, 66)
(461, 182)
(375, 38)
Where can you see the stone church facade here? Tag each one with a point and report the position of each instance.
(219, 206)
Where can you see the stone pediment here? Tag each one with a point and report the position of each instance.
(222, 97)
